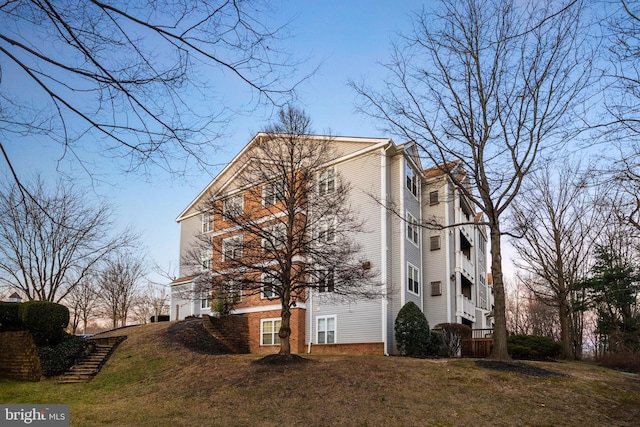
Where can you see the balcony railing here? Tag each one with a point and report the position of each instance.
(465, 308)
(466, 230)
(465, 266)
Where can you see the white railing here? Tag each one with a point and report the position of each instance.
(466, 230)
(465, 266)
(465, 308)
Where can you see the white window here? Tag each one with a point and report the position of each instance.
(206, 222)
(269, 329)
(327, 181)
(327, 230)
(233, 288)
(233, 206)
(273, 193)
(205, 301)
(412, 229)
(326, 281)
(412, 181)
(276, 236)
(270, 286)
(326, 329)
(206, 257)
(232, 248)
(413, 279)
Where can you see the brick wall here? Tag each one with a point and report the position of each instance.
(19, 356)
(297, 331)
(357, 348)
(232, 331)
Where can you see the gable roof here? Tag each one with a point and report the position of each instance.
(227, 174)
(440, 170)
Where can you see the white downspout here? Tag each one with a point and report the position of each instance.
(447, 248)
(310, 320)
(383, 246)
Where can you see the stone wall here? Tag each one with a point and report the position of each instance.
(19, 356)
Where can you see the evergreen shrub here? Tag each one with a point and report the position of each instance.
(58, 358)
(45, 320)
(412, 331)
(10, 316)
(533, 347)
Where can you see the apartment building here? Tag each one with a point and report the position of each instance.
(442, 270)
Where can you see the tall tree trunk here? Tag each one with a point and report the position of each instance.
(285, 331)
(500, 327)
(565, 335)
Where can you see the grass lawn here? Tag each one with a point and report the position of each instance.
(153, 381)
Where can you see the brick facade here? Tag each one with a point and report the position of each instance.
(297, 331)
(355, 348)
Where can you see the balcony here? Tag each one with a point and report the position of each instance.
(465, 308)
(465, 266)
(467, 231)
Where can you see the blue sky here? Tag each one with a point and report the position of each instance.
(348, 39)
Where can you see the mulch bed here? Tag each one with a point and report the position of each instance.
(518, 368)
(192, 335)
(279, 359)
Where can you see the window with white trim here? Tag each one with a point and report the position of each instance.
(233, 289)
(326, 281)
(273, 192)
(206, 220)
(412, 229)
(413, 184)
(233, 206)
(205, 299)
(269, 286)
(327, 230)
(276, 236)
(269, 329)
(326, 327)
(232, 248)
(206, 257)
(326, 181)
(413, 279)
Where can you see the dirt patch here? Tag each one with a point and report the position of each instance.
(191, 334)
(518, 368)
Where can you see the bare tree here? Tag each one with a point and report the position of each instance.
(51, 242)
(558, 220)
(119, 282)
(294, 226)
(151, 301)
(527, 314)
(129, 76)
(491, 83)
(82, 302)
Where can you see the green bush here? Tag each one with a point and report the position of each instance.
(58, 358)
(452, 335)
(46, 320)
(10, 316)
(532, 347)
(412, 331)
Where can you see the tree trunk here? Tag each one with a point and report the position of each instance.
(500, 327)
(565, 335)
(285, 331)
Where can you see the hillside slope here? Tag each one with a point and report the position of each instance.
(154, 380)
